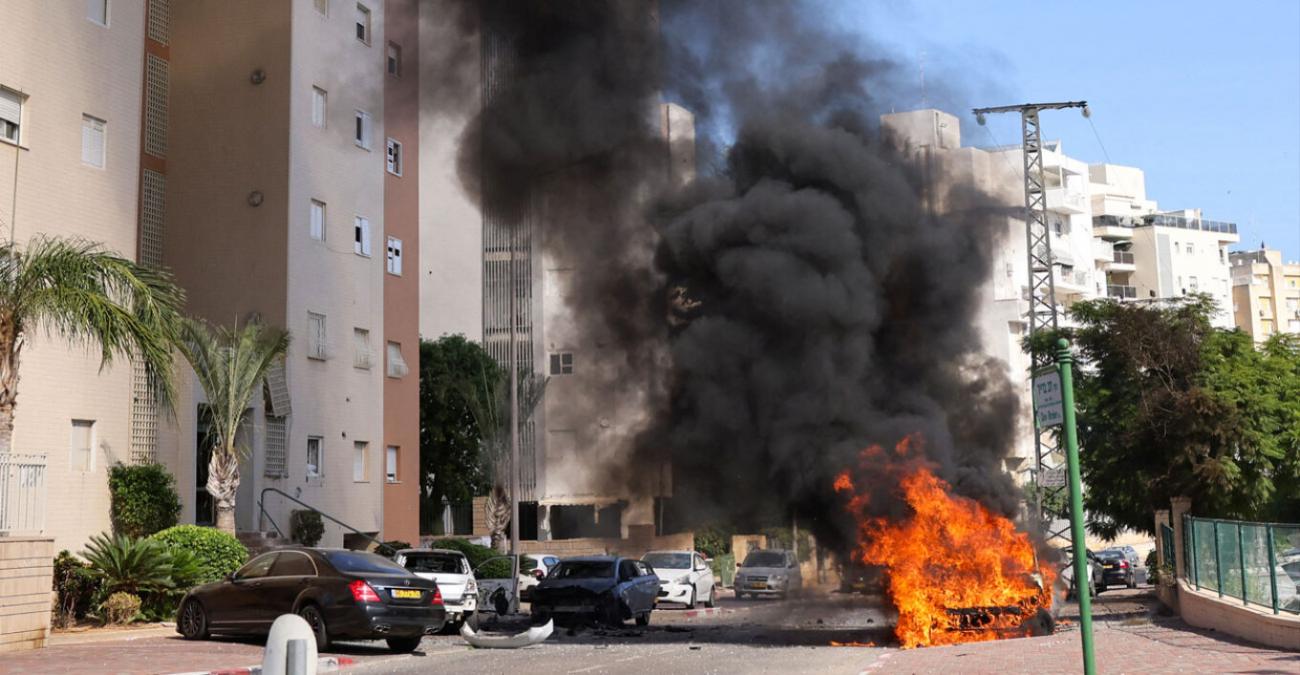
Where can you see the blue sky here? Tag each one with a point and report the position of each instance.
(1203, 96)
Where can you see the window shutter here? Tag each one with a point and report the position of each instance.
(11, 106)
(277, 386)
(396, 364)
(365, 237)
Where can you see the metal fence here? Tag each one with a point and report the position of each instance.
(1257, 563)
(22, 493)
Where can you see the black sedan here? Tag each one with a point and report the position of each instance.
(605, 588)
(1116, 569)
(342, 594)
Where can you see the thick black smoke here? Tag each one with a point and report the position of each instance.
(810, 294)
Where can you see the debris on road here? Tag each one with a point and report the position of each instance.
(532, 636)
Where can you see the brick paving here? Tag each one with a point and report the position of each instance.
(1129, 637)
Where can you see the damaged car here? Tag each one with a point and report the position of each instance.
(607, 589)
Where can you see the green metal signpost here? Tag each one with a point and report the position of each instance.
(1063, 364)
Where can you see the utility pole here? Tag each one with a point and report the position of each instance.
(1049, 473)
(514, 429)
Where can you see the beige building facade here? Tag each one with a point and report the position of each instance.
(1265, 293)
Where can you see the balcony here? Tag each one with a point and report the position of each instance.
(22, 494)
(1121, 261)
(1112, 227)
(1121, 292)
(1062, 200)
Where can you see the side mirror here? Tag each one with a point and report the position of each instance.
(539, 574)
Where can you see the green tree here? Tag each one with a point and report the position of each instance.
(1171, 406)
(86, 295)
(490, 404)
(451, 463)
(230, 365)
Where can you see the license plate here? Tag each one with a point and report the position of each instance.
(406, 594)
(1112, 567)
(758, 584)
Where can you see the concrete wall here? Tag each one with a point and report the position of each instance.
(1204, 609)
(26, 577)
(68, 66)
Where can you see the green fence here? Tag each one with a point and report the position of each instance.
(1256, 563)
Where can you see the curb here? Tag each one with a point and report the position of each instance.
(324, 664)
(713, 611)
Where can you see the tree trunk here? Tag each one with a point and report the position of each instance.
(223, 485)
(498, 516)
(11, 346)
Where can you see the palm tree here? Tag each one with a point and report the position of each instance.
(489, 402)
(86, 295)
(230, 365)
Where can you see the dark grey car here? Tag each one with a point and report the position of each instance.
(604, 588)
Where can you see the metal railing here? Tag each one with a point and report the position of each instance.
(22, 493)
(261, 507)
(1123, 257)
(1115, 291)
(1160, 220)
(1167, 543)
(1257, 563)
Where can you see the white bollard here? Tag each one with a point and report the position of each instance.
(275, 659)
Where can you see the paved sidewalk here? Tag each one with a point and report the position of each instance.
(1129, 637)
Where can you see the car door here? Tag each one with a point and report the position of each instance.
(704, 582)
(236, 603)
(647, 585)
(289, 577)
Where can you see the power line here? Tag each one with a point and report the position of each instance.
(1098, 137)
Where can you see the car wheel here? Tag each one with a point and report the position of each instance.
(690, 604)
(1101, 588)
(643, 619)
(194, 620)
(613, 614)
(710, 601)
(404, 645)
(312, 615)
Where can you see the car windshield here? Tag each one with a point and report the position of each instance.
(764, 559)
(1110, 555)
(668, 561)
(359, 562)
(583, 569)
(437, 563)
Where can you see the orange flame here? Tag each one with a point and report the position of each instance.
(956, 571)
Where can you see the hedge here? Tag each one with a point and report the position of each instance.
(144, 499)
(219, 553)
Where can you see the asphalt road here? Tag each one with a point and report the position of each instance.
(751, 636)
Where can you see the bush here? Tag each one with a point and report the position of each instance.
(306, 527)
(218, 553)
(391, 547)
(121, 608)
(144, 499)
(713, 540)
(129, 565)
(76, 587)
(477, 555)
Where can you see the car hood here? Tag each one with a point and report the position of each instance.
(763, 571)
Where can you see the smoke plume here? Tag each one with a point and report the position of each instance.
(812, 292)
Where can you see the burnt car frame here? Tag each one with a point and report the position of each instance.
(341, 594)
(607, 589)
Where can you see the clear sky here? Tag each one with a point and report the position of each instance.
(1203, 96)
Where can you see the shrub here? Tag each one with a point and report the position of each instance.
(391, 547)
(129, 565)
(76, 587)
(121, 608)
(306, 527)
(144, 499)
(713, 540)
(218, 553)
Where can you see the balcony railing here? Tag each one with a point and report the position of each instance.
(22, 494)
(1166, 221)
(1122, 257)
(1122, 292)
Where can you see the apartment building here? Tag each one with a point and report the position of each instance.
(1107, 240)
(290, 201)
(1265, 293)
(70, 166)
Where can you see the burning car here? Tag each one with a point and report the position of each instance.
(608, 589)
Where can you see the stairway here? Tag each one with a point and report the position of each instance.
(258, 543)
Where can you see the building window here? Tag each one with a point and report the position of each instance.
(97, 11)
(315, 336)
(276, 435)
(361, 355)
(396, 364)
(93, 132)
(394, 157)
(82, 447)
(360, 461)
(361, 236)
(1192, 283)
(394, 60)
(562, 363)
(318, 100)
(1190, 248)
(157, 76)
(363, 23)
(159, 21)
(314, 452)
(323, 7)
(11, 115)
(363, 129)
(395, 256)
(317, 220)
(390, 464)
